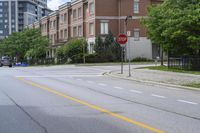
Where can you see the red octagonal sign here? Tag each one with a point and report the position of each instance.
(122, 39)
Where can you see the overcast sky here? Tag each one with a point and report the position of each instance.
(54, 4)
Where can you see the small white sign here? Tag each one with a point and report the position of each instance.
(128, 33)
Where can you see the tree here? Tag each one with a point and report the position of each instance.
(28, 43)
(74, 50)
(107, 50)
(175, 25)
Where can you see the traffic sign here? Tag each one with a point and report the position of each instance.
(122, 39)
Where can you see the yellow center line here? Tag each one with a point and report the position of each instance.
(93, 106)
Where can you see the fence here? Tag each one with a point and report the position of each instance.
(187, 63)
(47, 61)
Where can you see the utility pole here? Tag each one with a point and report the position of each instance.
(129, 51)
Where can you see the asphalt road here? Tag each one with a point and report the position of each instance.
(79, 99)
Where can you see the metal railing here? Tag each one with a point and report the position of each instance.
(187, 63)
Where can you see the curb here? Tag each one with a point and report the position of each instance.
(151, 82)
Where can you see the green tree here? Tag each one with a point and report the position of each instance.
(74, 50)
(99, 46)
(109, 49)
(175, 25)
(28, 43)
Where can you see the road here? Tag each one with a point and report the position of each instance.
(79, 99)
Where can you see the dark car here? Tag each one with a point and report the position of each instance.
(5, 61)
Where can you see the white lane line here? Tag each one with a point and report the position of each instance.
(135, 91)
(119, 88)
(158, 96)
(101, 84)
(189, 102)
(91, 82)
(58, 76)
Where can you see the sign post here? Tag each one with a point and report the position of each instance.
(122, 40)
(129, 53)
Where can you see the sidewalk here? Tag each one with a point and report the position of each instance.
(171, 79)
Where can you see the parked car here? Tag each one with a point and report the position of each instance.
(5, 61)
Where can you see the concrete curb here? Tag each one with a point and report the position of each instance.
(151, 82)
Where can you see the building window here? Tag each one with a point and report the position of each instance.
(79, 12)
(104, 27)
(54, 24)
(91, 8)
(1, 10)
(1, 31)
(91, 48)
(79, 31)
(1, 4)
(61, 34)
(61, 18)
(74, 32)
(136, 34)
(136, 6)
(51, 23)
(65, 34)
(65, 18)
(91, 28)
(1, 15)
(74, 14)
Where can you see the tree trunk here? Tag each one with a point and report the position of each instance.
(161, 56)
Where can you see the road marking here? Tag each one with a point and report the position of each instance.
(119, 88)
(91, 82)
(79, 79)
(57, 76)
(158, 96)
(189, 102)
(93, 106)
(135, 91)
(101, 84)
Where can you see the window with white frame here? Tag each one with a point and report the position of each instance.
(91, 48)
(104, 27)
(65, 18)
(61, 18)
(136, 34)
(91, 28)
(136, 6)
(65, 34)
(74, 32)
(79, 31)
(1, 31)
(61, 34)
(54, 24)
(79, 12)
(91, 8)
(74, 14)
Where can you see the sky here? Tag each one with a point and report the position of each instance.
(54, 4)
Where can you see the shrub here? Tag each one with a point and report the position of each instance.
(141, 59)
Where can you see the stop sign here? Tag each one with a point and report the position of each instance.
(122, 39)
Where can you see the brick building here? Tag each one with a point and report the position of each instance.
(89, 18)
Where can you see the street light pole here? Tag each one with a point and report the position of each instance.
(129, 51)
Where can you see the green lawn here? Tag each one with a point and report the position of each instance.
(165, 68)
(196, 85)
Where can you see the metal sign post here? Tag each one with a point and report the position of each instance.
(122, 40)
(129, 53)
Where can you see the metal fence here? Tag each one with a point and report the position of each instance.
(187, 63)
(48, 61)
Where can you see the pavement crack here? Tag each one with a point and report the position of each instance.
(29, 115)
